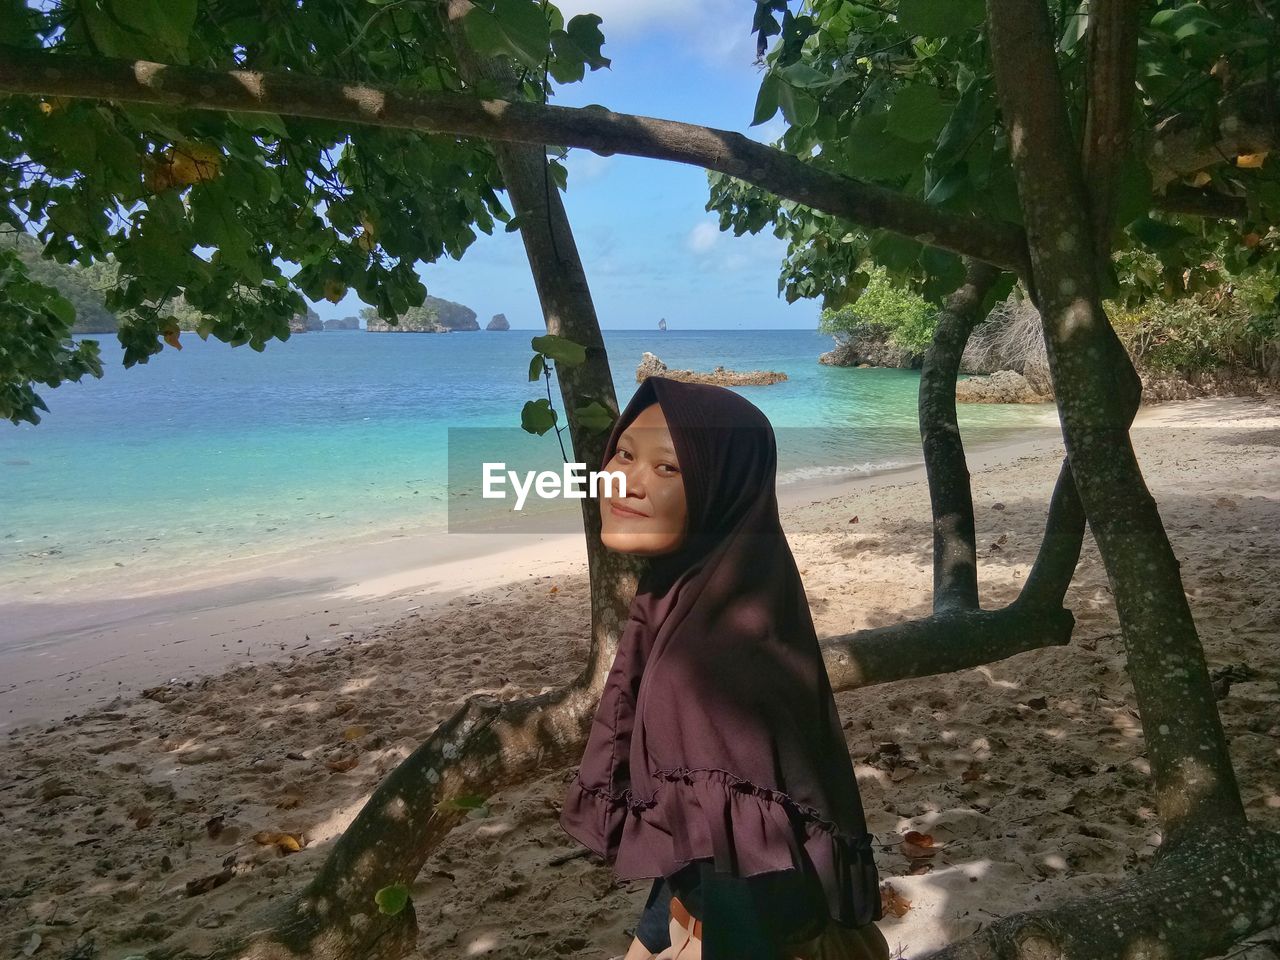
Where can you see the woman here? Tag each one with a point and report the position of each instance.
(716, 762)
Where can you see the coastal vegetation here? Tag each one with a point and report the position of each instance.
(961, 146)
(1225, 337)
(1230, 330)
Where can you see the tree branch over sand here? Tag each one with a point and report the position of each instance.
(603, 131)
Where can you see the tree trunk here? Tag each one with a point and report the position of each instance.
(486, 746)
(1036, 618)
(1194, 902)
(1215, 878)
(955, 556)
(1095, 386)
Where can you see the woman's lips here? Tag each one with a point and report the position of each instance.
(623, 512)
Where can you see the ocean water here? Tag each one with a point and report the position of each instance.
(225, 453)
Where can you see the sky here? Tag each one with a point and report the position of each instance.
(649, 247)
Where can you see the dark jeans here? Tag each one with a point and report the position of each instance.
(743, 919)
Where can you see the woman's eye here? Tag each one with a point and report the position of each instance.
(667, 466)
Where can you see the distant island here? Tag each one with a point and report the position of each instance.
(86, 288)
(434, 316)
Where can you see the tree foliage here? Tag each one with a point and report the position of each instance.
(900, 93)
(907, 316)
(245, 215)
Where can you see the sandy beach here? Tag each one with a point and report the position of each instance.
(149, 737)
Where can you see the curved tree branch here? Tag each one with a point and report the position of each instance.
(944, 643)
(1055, 564)
(42, 73)
(955, 563)
(1195, 901)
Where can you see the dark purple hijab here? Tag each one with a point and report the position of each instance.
(717, 735)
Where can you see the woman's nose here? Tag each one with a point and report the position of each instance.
(635, 484)
(636, 477)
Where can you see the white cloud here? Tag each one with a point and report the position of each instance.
(703, 237)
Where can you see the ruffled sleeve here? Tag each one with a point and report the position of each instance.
(744, 828)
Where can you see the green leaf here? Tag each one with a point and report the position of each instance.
(946, 186)
(594, 417)
(536, 367)
(944, 272)
(766, 100)
(517, 28)
(800, 109)
(537, 416)
(270, 122)
(484, 33)
(800, 74)
(971, 113)
(562, 350)
(61, 308)
(940, 18)
(874, 154)
(15, 22)
(1075, 27)
(1186, 21)
(391, 900)
(559, 173)
(169, 21)
(584, 31)
(918, 113)
(1157, 235)
(895, 252)
(109, 39)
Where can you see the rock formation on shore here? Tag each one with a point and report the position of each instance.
(651, 366)
(1003, 386)
(305, 322)
(499, 322)
(870, 345)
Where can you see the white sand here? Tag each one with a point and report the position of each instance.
(1030, 773)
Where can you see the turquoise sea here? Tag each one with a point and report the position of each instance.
(221, 453)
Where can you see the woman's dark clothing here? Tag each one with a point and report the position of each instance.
(749, 919)
(717, 737)
(653, 929)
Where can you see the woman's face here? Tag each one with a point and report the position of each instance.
(652, 518)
